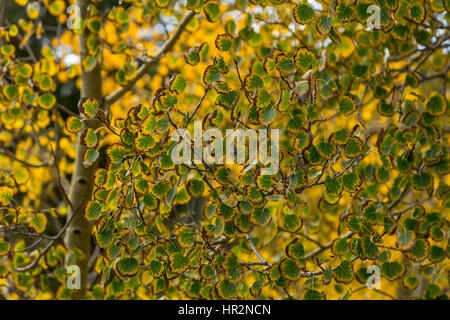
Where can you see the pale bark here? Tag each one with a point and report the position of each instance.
(79, 232)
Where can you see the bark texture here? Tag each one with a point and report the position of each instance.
(79, 232)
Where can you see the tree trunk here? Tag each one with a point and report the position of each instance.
(79, 232)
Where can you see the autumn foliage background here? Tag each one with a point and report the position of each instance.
(88, 106)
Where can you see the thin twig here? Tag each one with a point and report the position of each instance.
(252, 246)
(116, 95)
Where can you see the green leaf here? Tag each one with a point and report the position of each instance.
(410, 282)
(292, 222)
(405, 241)
(432, 291)
(92, 210)
(89, 107)
(89, 138)
(326, 149)
(212, 11)
(411, 118)
(127, 266)
(192, 56)
(224, 42)
(347, 105)
(264, 182)
(302, 141)
(334, 36)
(284, 64)
(209, 211)
(94, 24)
(232, 267)
(218, 226)
(333, 186)
(312, 294)
(339, 137)
(340, 246)
(422, 181)
(162, 3)
(164, 99)
(177, 83)
(226, 212)
(5, 247)
(193, 4)
(207, 271)
(150, 202)
(351, 182)
(369, 248)
(393, 270)
(437, 254)
(73, 124)
(260, 217)
(362, 275)
(343, 273)
(185, 237)
(289, 269)
(38, 222)
(305, 59)
(437, 105)
(221, 175)
(156, 268)
(222, 65)
(385, 109)
(211, 74)
(353, 148)
(143, 142)
(361, 12)
(170, 196)
(113, 251)
(389, 225)
(104, 238)
(252, 82)
(324, 24)
(7, 50)
(359, 70)
(419, 251)
(418, 12)
(412, 80)
(242, 223)
(295, 124)
(221, 87)
(89, 157)
(178, 263)
(345, 12)
(226, 289)
(381, 174)
(303, 13)
(195, 187)
(267, 115)
(46, 101)
(160, 189)
(6, 194)
(115, 153)
(296, 251)
(227, 100)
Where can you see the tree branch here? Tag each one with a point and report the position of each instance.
(10, 155)
(252, 246)
(116, 95)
